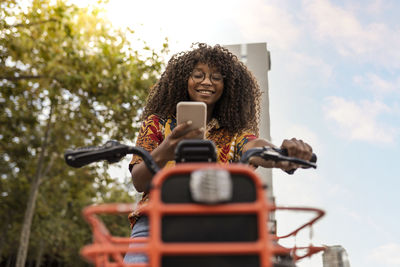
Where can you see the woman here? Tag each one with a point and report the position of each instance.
(215, 76)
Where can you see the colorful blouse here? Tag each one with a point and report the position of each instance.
(155, 129)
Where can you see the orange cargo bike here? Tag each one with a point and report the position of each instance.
(200, 213)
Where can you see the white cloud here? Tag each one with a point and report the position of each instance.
(266, 22)
(375, 7)
(182, 22)
(376, 84)
(366, 220)
(360, 121)
(388, 254)
(338, 25)
(375, 41)
(303, 67)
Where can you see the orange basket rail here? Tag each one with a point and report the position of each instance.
(108, 250)
(310, 250)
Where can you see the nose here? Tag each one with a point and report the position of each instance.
(207, 80)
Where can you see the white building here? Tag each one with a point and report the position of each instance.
(335, 256)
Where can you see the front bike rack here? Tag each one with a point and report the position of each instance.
(108, 251)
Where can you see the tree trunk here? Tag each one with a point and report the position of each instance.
(40, 254)
(26, 227)
(30, 208)
(2, 240)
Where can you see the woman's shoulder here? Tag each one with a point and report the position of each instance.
(153, 118)
(158, 120)
(246, 135)
(215, 127)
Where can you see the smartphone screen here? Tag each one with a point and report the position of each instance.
(193, 111)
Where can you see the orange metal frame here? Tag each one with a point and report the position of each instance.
(107, 250)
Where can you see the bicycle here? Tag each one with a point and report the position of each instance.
(200, 212)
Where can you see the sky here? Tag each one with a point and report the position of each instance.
(334, 83)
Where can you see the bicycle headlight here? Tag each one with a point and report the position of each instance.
(211, 186)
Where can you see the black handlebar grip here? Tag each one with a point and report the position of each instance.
(112, 151)
(284, 152)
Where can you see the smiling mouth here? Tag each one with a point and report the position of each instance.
(205, 92)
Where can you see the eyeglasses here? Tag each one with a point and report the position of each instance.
(199, 76)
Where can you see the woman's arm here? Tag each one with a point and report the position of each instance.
(295, 147)
(141, 176)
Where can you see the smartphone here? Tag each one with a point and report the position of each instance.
(193, 111)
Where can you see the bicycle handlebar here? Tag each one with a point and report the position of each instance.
(112, 151)
(276, 154)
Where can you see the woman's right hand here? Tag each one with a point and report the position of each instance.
(141, 176)
(166, 150)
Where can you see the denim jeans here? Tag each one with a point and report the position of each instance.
(140, 229)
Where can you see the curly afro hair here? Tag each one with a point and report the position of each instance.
(237, 110)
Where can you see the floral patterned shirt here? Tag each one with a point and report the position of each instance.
(155, 129)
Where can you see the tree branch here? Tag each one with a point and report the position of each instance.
(49, 165)
(23, 77)
(29, 24)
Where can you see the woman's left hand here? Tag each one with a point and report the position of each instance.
(295, 147)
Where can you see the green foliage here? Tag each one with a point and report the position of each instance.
(67, 72)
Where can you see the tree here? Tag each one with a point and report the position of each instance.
(67, 79)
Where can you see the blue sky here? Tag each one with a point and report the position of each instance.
(334, 82)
